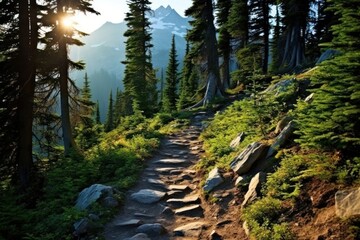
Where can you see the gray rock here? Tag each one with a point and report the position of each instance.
(242, 163)
(281, 139)
(139, 236)
(246, 228)
(254, 188)
(129, 223)
(143, 215)
(190, 230)
(157, 182)
(239, 181)
(110, 202)
(178, 187)
(214, 179)
(193, 210)
(282, 124)
(236, 141)
(167, 211)
(81, 227)
(91, 194)
(147, 196)
(183, 201)
(328, 54)
(152, 230)
(347, 203)
(214, 236)
(309, 98)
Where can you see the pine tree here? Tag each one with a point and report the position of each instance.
(238, 22)
(331, 122)
(172, 76)
(97, 110)
(276, 43)
(109, 124)
(187, 84)
(225, 49)
(140, 80)
(202, 38)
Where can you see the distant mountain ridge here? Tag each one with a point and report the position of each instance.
(105, 49)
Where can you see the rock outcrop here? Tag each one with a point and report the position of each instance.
(242, 163)
(93, 193)
(281, 139)
(254, 188)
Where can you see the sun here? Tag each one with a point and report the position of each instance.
(67, 22)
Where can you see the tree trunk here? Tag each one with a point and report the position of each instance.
(225, 70)
(26, 94)
(68, 139)
(265, 9)
(214, 85)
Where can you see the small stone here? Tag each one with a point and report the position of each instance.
(214, 179)
(167, 211)
(110, 202)
(246, 228)
(178, 187)
(190, 230)
(239, 181)
(148, 196)
(194, 210)
(143, 215)
(214, 236)
(151, 229)
(129, 223)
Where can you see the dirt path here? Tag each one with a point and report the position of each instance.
(167, 202)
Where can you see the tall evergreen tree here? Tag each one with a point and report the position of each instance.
(202, 38)
(276, 42)
(139, 80)
(238, 22)
(109, 124)
(97, 113)
(331, 121)
(225, 49)
(172, 76)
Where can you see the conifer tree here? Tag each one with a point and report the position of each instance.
(238, 22)
(331, 121)
(140, 80)
(170, 94)
(109, 124)
(202, 38)
(187, 87)
(276, 43)
(97, 110)
(223, 10)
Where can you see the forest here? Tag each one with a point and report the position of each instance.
(298, 68)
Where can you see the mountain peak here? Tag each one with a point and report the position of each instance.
(162, 11)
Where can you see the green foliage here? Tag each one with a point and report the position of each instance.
(263, 219)
(170, 94)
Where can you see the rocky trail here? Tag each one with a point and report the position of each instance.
(168, 202)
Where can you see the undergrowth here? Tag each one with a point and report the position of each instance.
(116, 160)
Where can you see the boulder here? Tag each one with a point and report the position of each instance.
(281, 138)
(328, 54)
(214, 179)
(347, 203)
(147, 196)
(282, 124)
(254, 188)
(151, 229)
(91, 194)
(236, 141)
(242, 163)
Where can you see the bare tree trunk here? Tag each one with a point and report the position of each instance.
(68, 139)
(26, 95)
(225, 70)
(214, 84)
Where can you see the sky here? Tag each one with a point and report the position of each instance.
(114, 11)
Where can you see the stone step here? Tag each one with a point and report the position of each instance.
(191, 229)
(190, 211)
(180, 202)
(170, 161)
(148, 196)
(129, 223)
